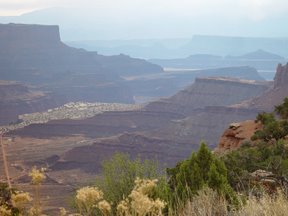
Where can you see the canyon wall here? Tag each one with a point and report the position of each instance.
(221, 91)
(34, 54)
(273, 96)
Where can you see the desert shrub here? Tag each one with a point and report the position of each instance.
(119, 173)
(200, 170)
(140, 201)
(272, 157)
(273, 128)
(282, 109)
(6, 205)
(12, 201)
(37, 178)
(90, 202)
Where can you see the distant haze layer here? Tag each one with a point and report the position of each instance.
(130, 19)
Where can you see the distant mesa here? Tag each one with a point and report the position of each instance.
(227, 45)
(20, 36)
(259, 55)
(34, 54)
(261, 60)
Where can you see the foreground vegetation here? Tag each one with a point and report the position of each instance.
(204, 184)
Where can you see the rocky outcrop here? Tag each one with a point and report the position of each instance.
(220, 91)
(236, 135)
(273, 96)
(281, 77)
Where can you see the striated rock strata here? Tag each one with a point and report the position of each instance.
(221, 91)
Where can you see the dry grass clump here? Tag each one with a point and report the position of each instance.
(139, 203)
(37, 178)
(4, 211)
(266, 206)
(37, 175)
(20, 201)
(206, 203)
(209, 203)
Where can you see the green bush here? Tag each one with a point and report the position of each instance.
(119, 173)
(200, 170)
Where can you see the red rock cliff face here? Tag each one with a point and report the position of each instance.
(236, 135)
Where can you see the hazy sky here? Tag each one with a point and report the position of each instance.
(186, 17)
(252, 9)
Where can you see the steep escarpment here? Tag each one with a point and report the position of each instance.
(16, 99)
(274, 95)
(221, 91)
(20, 37)
(35, 54)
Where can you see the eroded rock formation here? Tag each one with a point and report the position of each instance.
(236, 135)
(221, 91)
(273, 96)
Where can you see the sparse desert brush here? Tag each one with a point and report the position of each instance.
(20, 201)
(5, 211)
(37, 175)
(89, 200)
(266, 205)
(140, 202)
(37, 178)
(207, 203)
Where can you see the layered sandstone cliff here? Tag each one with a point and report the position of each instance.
(168, 134)
(211, 91)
